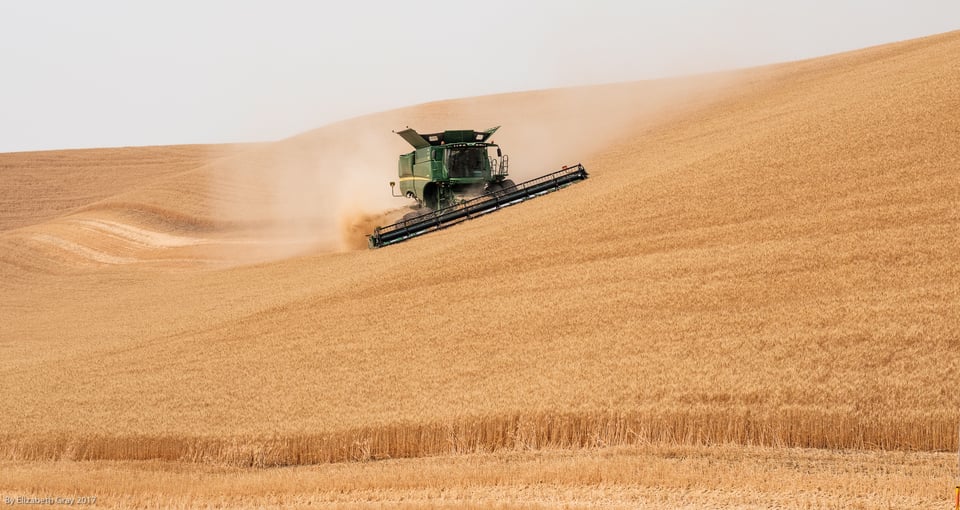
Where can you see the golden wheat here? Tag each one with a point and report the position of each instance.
(764, 258)
(651, 476)
(799, 428)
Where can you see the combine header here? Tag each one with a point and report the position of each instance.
(454, 177)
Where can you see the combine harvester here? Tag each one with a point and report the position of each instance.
(453, 177)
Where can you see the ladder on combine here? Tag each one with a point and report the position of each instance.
(478, 206)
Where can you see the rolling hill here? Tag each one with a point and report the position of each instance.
(760, 258)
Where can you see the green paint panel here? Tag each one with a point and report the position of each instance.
(446, 167)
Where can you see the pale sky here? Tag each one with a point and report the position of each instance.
(99, 73)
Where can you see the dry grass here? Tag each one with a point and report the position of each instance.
(705, 427)
(652, 476)
(41, 186)
(767, 258)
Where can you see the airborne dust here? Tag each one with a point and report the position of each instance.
(325, 190)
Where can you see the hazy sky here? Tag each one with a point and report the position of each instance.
(106, 73)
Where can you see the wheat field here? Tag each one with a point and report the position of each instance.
(651, 476)
(762, 265)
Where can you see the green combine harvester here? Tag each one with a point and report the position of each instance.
(453, 176)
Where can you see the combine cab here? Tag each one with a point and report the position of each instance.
(447, 167)
(454, 176)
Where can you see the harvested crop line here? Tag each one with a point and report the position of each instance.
(503, 433)
(83, 251)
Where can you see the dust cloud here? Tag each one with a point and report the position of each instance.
(314, 192)
(326, 189)
(544, 130)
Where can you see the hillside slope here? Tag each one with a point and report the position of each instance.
(761, 257)
(40, 186)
